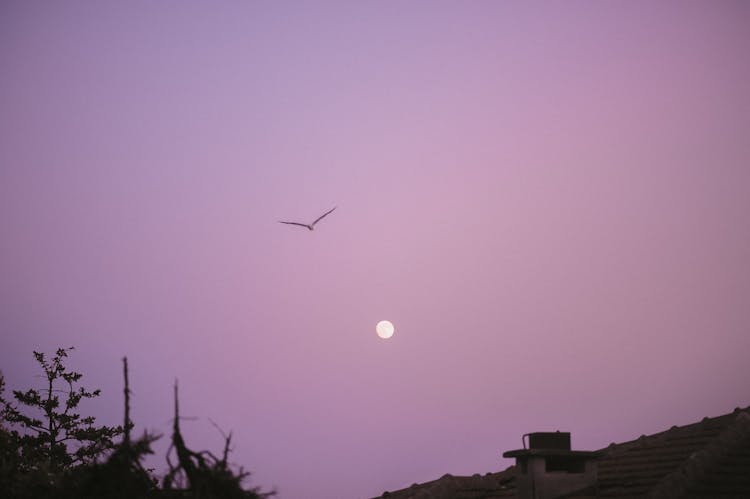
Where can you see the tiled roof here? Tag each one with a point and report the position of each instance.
(498, 485)
(681, 461)
(705, 460)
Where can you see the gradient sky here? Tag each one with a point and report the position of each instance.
(549, 200)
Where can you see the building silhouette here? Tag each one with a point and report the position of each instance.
(709, 459)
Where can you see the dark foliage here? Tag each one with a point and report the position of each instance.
(55, 436)
(48, 450)
(202, 473)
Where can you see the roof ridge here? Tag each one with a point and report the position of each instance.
(615, 447)
(697, 466)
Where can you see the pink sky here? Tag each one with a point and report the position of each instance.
(549, 200)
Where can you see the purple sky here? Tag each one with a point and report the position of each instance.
(550, 201)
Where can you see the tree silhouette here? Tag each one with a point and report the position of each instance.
(48, 450)
(49, 435)
(122, 475)
(203, 474)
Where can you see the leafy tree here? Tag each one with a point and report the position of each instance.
(51, 435)
(48, 450)
(122, 475)
(9, 456)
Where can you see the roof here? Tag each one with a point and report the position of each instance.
(707, 459)
(489, 486)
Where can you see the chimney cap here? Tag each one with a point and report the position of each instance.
(551, 452)
(549, 443)
(549, 440)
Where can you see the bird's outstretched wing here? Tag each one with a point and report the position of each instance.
(323, 215)
(294, 223)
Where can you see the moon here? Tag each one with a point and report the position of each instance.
(384, 329)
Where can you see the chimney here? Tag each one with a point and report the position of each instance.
(549, 468)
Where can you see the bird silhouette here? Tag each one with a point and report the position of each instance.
(312, 225)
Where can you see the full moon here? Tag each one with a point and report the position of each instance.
(384, 329)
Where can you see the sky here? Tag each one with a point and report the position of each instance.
(549, 200)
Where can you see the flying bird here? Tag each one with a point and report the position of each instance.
(312, 225)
